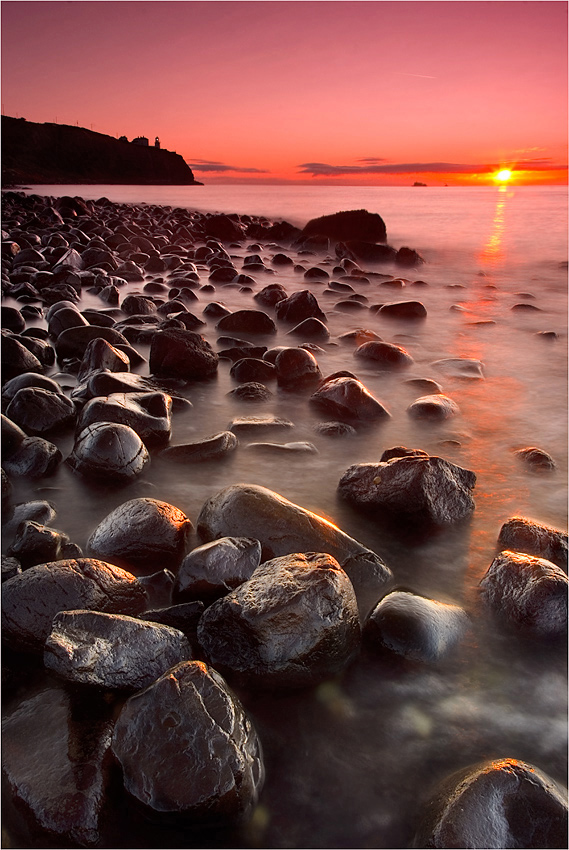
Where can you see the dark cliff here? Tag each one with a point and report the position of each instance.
(58, 153)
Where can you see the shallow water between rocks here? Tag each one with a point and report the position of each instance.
(350, 763)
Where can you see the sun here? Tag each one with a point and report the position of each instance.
(503, 175)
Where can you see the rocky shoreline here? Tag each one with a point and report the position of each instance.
(147, 673)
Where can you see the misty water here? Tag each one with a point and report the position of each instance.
(350, 763)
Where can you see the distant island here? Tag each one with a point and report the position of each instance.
(419, 184)
(59, 153)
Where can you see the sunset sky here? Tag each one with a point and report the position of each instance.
(374, 93)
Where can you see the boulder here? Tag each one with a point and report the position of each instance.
(534, 538)
(35, 543)
(73, 342)
(536, 460)
(271, 294)
(248, 633)
(249, 425)
(252, 369)
(142, 534)
(415, 627)
(500, 803)
(528, 594)
(103, 383)
(38, 411)
(65, 318)
(348, 398)
(101, 355)
(187, 748)
(211, 448)
(282, 528)
(296, 366)
(16, 358)
(433, 408)
(224, 228)
(31, 600)
(251, 391)
(408, 257)
(403, 310)
(247, 321)
(334, 429)
(182, 354)
(384, 354)
(299, 306)
(364, 251)
(28, 379)
(34, 458)
(112, 651)
(429, 489)
(348, 224)
(216, 568)
(311, 328)
(108, 452)
(148, 414)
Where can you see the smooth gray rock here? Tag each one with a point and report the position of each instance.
(299, 306)
(247, 321)
(108, 452)
(384, 354)
(347, 398)
(213, 569)
(528, 594)
(142, 534)
(433, 408)
(186, 747)
(39, 411)
(534, 538)
(211, 448)
(295, 622)
(112, 651)
(149, 414)
(403, 310)
(296, 366)
(252, 369)
(99, 355)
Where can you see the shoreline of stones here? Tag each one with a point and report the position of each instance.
(271, 598)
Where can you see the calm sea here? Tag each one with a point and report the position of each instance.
(361, 754)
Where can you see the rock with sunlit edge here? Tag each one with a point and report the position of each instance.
(534, 538)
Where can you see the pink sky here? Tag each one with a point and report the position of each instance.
(317, 92)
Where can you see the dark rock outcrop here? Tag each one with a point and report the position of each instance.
(182, 354)
(348, 224)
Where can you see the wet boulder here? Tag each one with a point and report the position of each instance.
(134, 305)
(224, 228)
(334, 429)
(299, 306)
(101, 355)
(252, 369)
(148, 414)
(38, 411)
(28, 379)
(177, 353)
(16, 358)
(403, 310)
(108, 452)
(282, 527)
(211, 448)
(527, 594)
(214, 569)
(35, 543)
(408, 257)
(348, 224)
(297, 447)
(247, 321)
(296, 366)
(348, 398)
(415, 627)
(55, 762)
(143, 535)
(429, 489)
(112, 651)
(271, 294)
(73, 342)
(31, 600)
(62, 319)
(248, 633)
(251, 391)
(384, 354)
(105, 383)
(433, 408)
(500, 803)
(536, 460)
(311, 329)
(460, 367)
(365, 251)
(164, 739)
(249, 425)
(534, 538)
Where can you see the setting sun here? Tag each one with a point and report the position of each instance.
(503, 176)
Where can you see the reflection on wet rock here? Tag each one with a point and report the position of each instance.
(534, 538)
(348, 398)
(108, 451)
(149, 414)
(213, 569)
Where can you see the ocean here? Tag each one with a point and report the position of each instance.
(350, 761)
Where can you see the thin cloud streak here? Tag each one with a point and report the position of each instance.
(203, 165)
(321, 169)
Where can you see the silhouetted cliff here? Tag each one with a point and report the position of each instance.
(58, 153)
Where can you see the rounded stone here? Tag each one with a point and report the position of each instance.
(108, 451)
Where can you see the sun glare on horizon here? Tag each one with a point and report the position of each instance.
(503, 175)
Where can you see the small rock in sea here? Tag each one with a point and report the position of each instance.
(34, 458)
(108, 451)
(62, 316)
(251, 391)
(214, 569)
(143, 535)
(40, 411)
(500, 803)
(302, 447)
(434, 408)
(401, 451)
(148, 414)
(247, 321)
(424, 386)
(182, 354)
(415, 627)
(250, 424)
(271, 294)
(460, 367)
(73, 342)
(528, 594)
(59, 769)
(334, 429)
(408, 257)
(215, 310)
(535, 459)
(38, 511)
(311, 328)
(281, 259)
(112, 651)
(32, 599)
(359, 336)
(403, 310)
(248, 633)
(211, 448)
(283, 527)
(346, 397)
(252, 369)
(101, 355)
(37, 544)
(534, 538)
(384, 354)
(296, 366)
(299, 306)
(104, 383)
(28, 379)
(170, 730)
(16, 359)
(12, 319)
(429, 489)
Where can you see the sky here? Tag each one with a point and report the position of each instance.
(335, 93)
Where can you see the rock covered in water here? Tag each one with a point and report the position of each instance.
(500, 803)
(384, 354)
(528, 594)
(433, 408)
(31, 600)
(247, 321)
(112, 651)
(460, 367)
(54, 760)
(251, 391)
(403, 310)
(430, 489)
(250, 424)
(28, 379)
(148, 414)
(293, 623)
(537, 460)
(141, 534)
(108, 451)
(213, 569)
(187, 748)
(415, 627)
(252, 369)
(282, 528)
(73, 342)
(534, 538)
(210, 448)
(348, 398)
(178, 353)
